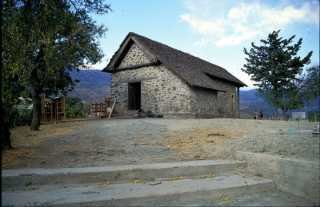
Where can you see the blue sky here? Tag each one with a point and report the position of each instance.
(214, 30)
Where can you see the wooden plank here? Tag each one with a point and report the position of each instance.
(114, 103)
(132, 67)
(136, 80)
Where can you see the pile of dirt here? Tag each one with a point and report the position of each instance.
(199, 143)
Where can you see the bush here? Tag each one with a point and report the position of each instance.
(24, 117)
(76, 108)
(21, 113)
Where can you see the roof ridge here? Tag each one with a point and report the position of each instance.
(171, 47)
(200, 59)
(190, 68)
(185, 53)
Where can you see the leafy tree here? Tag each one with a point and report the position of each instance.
(53, 37)
(275, 67)
(310, 88)
(41, 40)
(10, 84)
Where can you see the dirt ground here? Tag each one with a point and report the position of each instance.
(130, 141)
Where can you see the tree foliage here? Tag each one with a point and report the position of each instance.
(275, 66)
(41, 41)
(49, 38)
(10, 84)
(76, 108)
(310, 87)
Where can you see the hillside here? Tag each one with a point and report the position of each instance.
(251, 101)
(94, 85)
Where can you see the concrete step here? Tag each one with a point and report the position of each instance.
(266, 198)
(147, 194)
(19, 179)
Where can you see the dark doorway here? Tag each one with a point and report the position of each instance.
(134, 96)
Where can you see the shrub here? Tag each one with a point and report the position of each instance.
(76, 108)
(21, 113)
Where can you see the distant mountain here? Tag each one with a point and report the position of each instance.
(251, 101)
(93, 87)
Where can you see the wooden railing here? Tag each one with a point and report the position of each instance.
(103, 110)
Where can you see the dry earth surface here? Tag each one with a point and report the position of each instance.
(130, 141)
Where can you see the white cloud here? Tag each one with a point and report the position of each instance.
(204, 26)
(98, 66)
(244, 21)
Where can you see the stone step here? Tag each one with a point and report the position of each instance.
(19, 179)
(129, 114)
(147, 194)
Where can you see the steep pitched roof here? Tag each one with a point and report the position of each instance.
(195, 71)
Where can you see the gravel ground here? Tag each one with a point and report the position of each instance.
(130, 141)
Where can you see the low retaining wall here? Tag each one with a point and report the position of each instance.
(299, 177)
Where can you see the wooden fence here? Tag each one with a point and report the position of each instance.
(102, 110)
(53, 109)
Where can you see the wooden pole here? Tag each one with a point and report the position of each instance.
(114, 103)
(51, 111)
(64, 107)
(238, 102)
(56, 117)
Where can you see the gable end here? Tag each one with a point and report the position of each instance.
(130, 47)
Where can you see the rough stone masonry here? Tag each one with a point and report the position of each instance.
(164, 91)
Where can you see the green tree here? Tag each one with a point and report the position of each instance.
(275, 67)
(310, 87)
(10, 84)
(55, 36)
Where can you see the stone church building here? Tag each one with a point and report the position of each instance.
(154, 77)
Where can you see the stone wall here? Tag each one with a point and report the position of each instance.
(161, 91)
(227, 105)
(204, 103)
(299, 177)
(133, 57)
(164, 93)
(207, 103)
